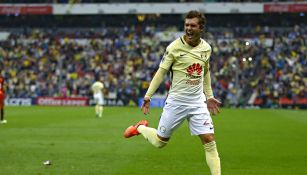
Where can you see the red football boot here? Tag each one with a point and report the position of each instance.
(132, 130)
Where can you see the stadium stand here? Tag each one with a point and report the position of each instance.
(139, 1)
(256, 61)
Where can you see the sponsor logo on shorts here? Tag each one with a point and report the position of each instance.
(207, 122)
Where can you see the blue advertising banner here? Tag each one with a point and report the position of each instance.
(155, 102)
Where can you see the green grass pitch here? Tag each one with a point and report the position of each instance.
(250, 142)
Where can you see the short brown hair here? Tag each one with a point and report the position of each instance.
(196, 14)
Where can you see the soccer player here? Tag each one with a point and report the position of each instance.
(2, 121)
(187, 60)
(97, 89)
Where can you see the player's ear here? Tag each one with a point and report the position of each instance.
(201, 27)
(201, 30)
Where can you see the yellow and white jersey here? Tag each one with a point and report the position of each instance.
(97, 87)
(187, 66)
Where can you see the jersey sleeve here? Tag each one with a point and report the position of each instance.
(167, 60)
(207, 78)
(156, 81)
(207, 65)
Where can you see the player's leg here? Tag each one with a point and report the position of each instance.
(171, 118)
(1, 108)
(97, 106)
(201, 125)
(100, 111)
(151, 135)
(2, 120)
(100, 108)
(2, 114)
(97, 110)
(212, 155)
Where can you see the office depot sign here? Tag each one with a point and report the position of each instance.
(61, 101)
(25, 10)
(288, 8)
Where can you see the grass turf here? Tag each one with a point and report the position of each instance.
(250, 142)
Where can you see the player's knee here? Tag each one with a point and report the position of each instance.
(207, 138)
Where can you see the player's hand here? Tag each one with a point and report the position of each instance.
(146, 105)
(213, 106)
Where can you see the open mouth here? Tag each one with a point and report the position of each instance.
(189, 34)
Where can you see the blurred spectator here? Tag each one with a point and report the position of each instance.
(138, 1)
(269, 65)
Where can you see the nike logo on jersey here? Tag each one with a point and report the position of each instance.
(183, 54)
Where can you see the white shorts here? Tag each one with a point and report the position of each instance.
(173, 116)
(98, 98)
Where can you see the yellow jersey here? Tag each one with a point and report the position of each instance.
(187, 66)
(97, 87)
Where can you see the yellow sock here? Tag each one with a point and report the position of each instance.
(151, 135)
(100, 109)
(212, 158)
(97, 110)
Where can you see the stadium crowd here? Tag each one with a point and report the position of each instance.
(246, 64)
(139, 1)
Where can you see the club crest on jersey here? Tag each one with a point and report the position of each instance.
(203, 56)
(196, 67)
